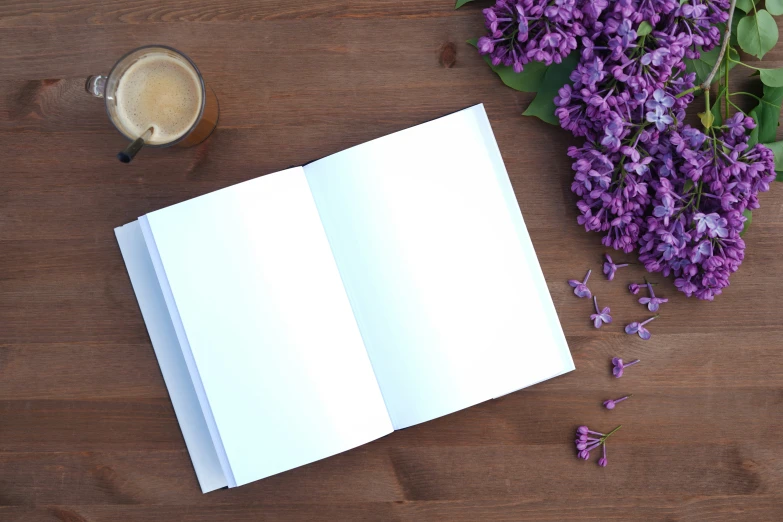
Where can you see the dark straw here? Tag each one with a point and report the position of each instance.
(135, 146)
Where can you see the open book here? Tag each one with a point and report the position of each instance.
(306, 312)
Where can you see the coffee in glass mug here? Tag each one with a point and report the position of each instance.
(158, 92)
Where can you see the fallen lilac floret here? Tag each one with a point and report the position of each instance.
(611, 403)
(638, 328)
(619, 366)
(580, 288)
(600, 316)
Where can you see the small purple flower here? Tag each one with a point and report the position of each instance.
(638, 328)
(610, 268)
(665, 209)
(713, 224)
(611, 403)
(584, 430)
(653, 303)
(655, 58)
(580, 289)
(660, 99)
(585, 444)
(659, 118)
(635, 287)
(602, 461)
(485, 45)
(619, 366)
(602, 316)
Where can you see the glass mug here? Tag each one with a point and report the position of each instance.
(158, 93)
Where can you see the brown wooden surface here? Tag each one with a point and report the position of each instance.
(87, 431)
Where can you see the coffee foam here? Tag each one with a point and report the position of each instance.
(158, 91)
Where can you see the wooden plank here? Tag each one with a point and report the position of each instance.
(539, 416)
(106, 369)
(373, 473)
(88, 13)
(751, 508)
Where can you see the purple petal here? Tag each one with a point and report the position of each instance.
(644, 333)
(653, 306)
(574, 283)
(618, 372)
(644, 300)
(606, 318)
(596, 320)
(633, 328)
(617, 361)
(582, 291)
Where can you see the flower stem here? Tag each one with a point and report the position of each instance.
(723, 47)
(611, 432)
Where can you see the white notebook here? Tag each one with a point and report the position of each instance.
(306, 312)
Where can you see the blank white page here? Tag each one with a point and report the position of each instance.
(438, 266)
(265, 322)
(172, 363)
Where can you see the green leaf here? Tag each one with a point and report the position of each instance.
(772, 77)
(706, 119)
(775, 7)
(683, 1)
(746, 5)
(543, 105)
(734, 23)
(777, 149)
(704, 64)
(644, 28)
(780, 175)
(757, 33)
(754, 134)
(748, 220)
(717, 117)
(769, 114)
(688, 185)
(700, 67)
(529, 80)
(460, 3)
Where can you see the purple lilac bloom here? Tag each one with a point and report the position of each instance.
(585, 443)
(618, 366)
(653, 303)
(645, 181)
(610, 268)
(611, 403)
(638, 328)
(602, 461)
(580, 287)
(600, 317)
(524, 31)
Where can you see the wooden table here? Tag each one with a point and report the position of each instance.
(87, 431)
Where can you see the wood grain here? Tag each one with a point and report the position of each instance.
(87, 432)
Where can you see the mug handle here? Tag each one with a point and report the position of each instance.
(96, 85)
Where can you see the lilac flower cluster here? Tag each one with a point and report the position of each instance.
(523, 31)
(646, 181)
(587, 440)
